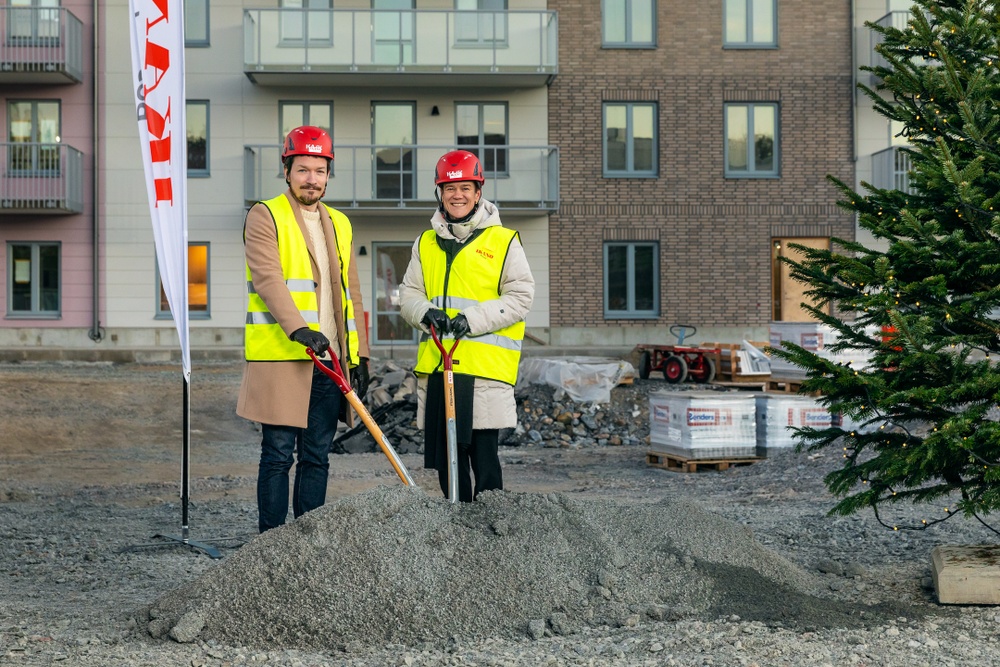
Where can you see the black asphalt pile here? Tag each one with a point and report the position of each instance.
(547, 416)
(393, 565)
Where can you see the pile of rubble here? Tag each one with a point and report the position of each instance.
(547, 416)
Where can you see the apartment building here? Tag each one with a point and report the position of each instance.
(655, 156)
(49, 229)
(695, 142)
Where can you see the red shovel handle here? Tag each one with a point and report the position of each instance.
(334, 373)
(445, 354)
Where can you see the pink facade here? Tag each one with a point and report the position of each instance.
(47, 153)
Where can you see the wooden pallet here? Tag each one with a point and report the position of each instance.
(684, 464)
(783, 386)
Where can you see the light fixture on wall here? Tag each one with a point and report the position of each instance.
(435, 111)
(362, 252)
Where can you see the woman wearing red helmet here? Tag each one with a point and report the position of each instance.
(468, 277)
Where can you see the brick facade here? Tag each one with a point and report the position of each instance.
(714, 232)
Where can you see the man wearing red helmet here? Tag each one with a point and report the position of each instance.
(468, 277)
(303, 292)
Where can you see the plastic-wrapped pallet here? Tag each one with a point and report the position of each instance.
(778, 414)
(815, 337)
(703, 424)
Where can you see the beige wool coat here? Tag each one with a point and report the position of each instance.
(277, 392)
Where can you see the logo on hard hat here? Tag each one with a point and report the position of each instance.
(454, 174)
(314, 148)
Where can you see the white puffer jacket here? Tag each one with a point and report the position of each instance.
(493, 401)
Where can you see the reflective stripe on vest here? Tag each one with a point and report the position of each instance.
(264, 338)
(473, 277)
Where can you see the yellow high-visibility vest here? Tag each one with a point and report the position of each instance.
(264, 339)
(473, 277)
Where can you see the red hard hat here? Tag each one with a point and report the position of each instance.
(458, 166)
(308, 140)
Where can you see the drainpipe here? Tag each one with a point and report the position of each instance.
(96, 333)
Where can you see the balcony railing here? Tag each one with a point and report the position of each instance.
(366, 47)
(40, 45)
(40, 178)
(522, 180)
(898, 20)
(891, 169)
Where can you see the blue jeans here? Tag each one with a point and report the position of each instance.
(311, 446)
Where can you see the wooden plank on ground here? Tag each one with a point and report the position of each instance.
(967, 574)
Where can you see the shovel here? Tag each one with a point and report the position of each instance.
(344, 385)
(449, 414)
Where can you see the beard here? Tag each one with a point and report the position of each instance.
(308, 197)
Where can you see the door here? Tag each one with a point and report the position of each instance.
(392, 32)
(789, 294)
(393, 140)
(389, 327)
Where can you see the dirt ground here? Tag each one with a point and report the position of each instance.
(73, 425)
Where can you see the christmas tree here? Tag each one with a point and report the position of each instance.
(922, 304)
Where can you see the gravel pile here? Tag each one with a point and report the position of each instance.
(593, 558)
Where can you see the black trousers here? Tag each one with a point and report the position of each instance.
(477, 448)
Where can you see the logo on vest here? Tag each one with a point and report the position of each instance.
(485, 253)
(455, 174)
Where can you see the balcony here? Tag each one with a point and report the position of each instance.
(40, 179)
(891, 170)
(40, 45)
(521, 180)
(897, 20)
(363, 47)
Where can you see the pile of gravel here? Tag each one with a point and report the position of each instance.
(396, 565)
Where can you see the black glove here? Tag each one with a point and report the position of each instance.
(438, 318)
(314, 340)
(359, 377)
(459, 326)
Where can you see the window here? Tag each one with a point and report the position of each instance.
(750, 23)
(394, 31)
(196, 23)
(756, 158)
(33, 22)
(628, 23)
(33, 130)
(480, 21)
(630, 139)
(299, 25)
(197, 137)
(33, 279)
(293, 114)
(389, 327)
(631, 280)
(482, 129)
(198, 296)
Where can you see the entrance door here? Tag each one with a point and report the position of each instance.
(788, 294)
(389, 327)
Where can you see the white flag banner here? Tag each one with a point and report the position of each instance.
(157, 32)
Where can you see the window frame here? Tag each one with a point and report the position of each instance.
(481, 149)
(164, 313)
(302, 10)
(36, 312)
(751, 171)
(630, 312)
(481, 40)
(207, 171)
(630, 171)
(629, 42)
(376, 313)
(200, 42)
(35, 170)
(750, 43)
